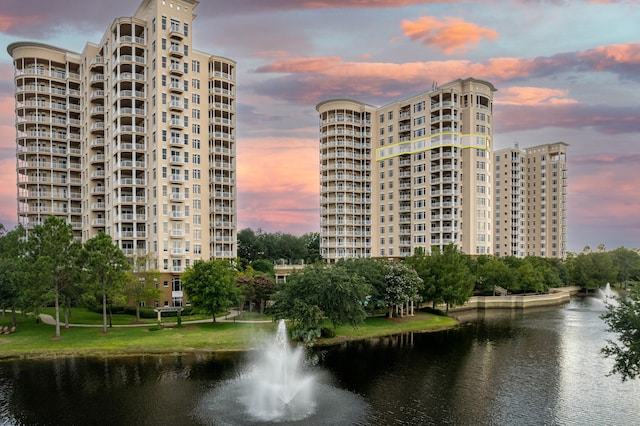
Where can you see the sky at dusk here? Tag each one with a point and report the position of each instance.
(565, 71)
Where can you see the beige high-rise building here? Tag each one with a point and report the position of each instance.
(531, 201)
(135, 136)
(412, 174)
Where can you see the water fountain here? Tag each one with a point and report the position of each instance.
(278, 387)
(607, 295)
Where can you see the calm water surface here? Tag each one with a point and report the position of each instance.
(539, 367)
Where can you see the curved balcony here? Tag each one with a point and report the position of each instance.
(97, 174)
(176, 51)
(175, 33)
(176, 123)
(97, 62)
(176, 105)
(97, 127)
(96, 95)
(176, 87)
(97, 111)
(97, 80)
(176, 69)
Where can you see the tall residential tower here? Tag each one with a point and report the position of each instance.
(531, 201)
(412, 174)
(135, 136)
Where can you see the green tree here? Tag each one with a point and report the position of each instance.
(106, 269)
(530, 278)
(321, 291)
(143, 282)
(593, 270)
(623, 319)
(12, 267)
(342, 296)
(423, 264)
(53, 258)
(446, 275)
(494, 274)
(264, 286)
(312, 244)
(403, 286)
(246, 283)
(373, 271)
(264, 266)
(249, 246)
(211, 286)
(548, 272)
(628, 264)
(451, 276)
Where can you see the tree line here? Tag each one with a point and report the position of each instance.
(49, 267)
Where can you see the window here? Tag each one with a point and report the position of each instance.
(195, 83)
(195, 98)
(164, 23)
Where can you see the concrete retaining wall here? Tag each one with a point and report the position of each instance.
(556, 296)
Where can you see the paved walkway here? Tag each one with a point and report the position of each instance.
(232, 316)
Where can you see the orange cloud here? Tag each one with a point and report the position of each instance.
(533, 96)
(451, 35)
(277, 191)
(302, 65)
(602, 56)
(7, 23)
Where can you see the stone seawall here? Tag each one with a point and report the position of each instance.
(556, 296)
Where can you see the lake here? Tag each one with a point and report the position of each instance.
(502, 367)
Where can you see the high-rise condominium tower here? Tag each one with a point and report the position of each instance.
(412, 174)
(531, 201)
(135, 136)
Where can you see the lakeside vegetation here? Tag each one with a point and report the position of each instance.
(34, 339)
(49, 269)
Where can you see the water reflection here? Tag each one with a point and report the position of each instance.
(528, 367)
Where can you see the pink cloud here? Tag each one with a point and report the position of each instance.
(8, 23)
(450, 35)
(517, 108)
(615, 189)
(8, 193)
(301, 65)
(604, 119)
(280, 194)
(519, 95)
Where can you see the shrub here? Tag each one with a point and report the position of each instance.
(327, 332)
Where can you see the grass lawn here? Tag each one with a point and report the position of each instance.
(37, 339)
(381, 326)
(85, 316)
